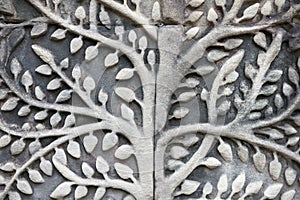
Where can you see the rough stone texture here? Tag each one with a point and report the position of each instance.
(170, 99)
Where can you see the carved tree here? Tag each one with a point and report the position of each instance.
(250, 102)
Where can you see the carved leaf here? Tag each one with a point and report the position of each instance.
(178, 152)
(156, 15)
(14, 196)
(80, 192)
(126, 94)
(273, 190)
(186, 96)
(267, 8)
(38, 29)
(74, 149)
(59, 34)
(80, 13)
(259, 160)
(225, 151)
(289, 195)
(191, 33)
(63, 96)
(10, 104)
(274, 75)
(238, 183)
(253, 187)
(111, 60)
(89, 142)
(207, 189)
(216, 55)
(143, 43)
(87, 170)
(188, 187)
(76, 45)
(5, 140)
(44, 70)
(250, 12)
(15, 67)
(275, 169)
(123, 171)
(54, 84)
(127, 113)
(89, 84)
(35, 176)
(204, 70)
(109, 141)
(125, 74)
(196, 3)
(220, 3)
(180, 113)
(46, 166)
(60, 156)
(260, 39)
(27, 80)
(222, 185)
(100, 192)
(34, 146)
(43, 53)
(279, 4)
(232, 44)
(42, 115)
(290, 175)
(194, 16)
(124, 152)
(17, 147)
(91, 53)
(212, 16)
(23, 186)
(293, 76)
(104, 18)
(101, 165)
(211, 163)
(62, 190)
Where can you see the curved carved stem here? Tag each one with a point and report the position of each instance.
(107, 182)
(264, 123)
(136, 17)
(81, 130)
(41, 104)
(82, 94)
(96, 36)
(270, 55)
(236, 6)
(222, 31)
(244, 133)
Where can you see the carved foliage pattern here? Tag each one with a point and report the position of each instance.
(244, 143)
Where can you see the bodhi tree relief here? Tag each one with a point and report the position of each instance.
(158, 99)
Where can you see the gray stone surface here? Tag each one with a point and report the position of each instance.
(131, 99)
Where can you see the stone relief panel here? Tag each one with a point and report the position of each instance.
(166, 99)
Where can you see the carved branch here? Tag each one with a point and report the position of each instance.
(223, 31)
(268, 122)
(235, 8)
(131, 53)
(244, 134)
(81, 130)
(26, 23)
(270, 55)
(17, 90)
(136, 17)
(107, 182)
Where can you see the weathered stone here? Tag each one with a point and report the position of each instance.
(170, 99)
